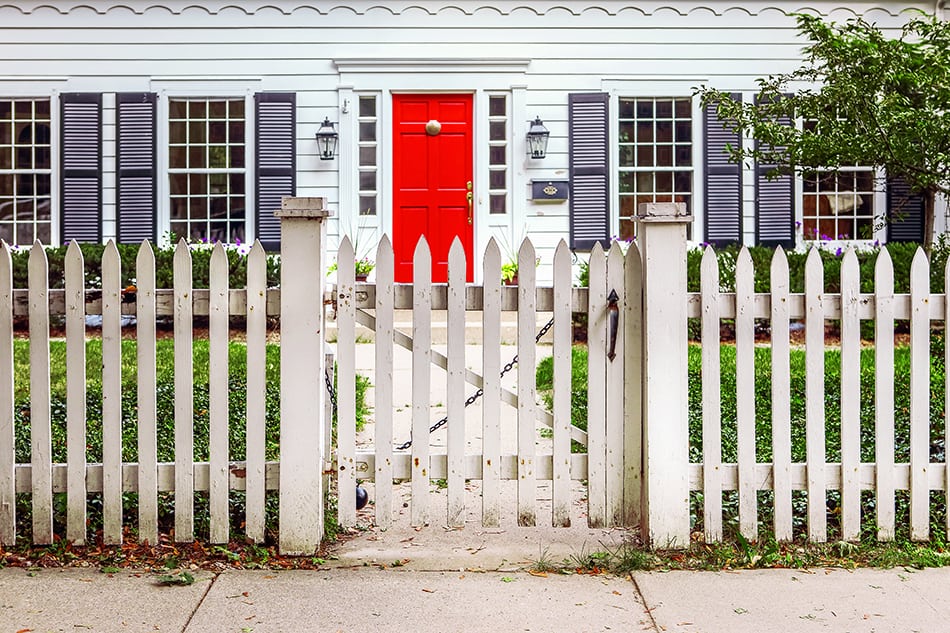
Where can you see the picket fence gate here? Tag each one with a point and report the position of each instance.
(636, 465)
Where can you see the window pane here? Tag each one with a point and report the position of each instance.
(664, 109)
(237, 157)
(664, 181)
(196, 158)
(645, 156)
(684, 132)
(6, 185)
(664, 155)
(218, 132)
(367, 205)
(196, 132)
(367, 106)
(6, 133)
(177, 109)
(626, 181)
(6, 158)
(236, 184)
(367, 180)
(497, 203)
(179, 208)
(41, 107)
(496, 179)
(496, 106)
(626, 109)
(368, 131)
(197, 110)
(218, 157)
(683, 181)
(43, 232)
(664, 132)
(496, 155)
(236, 109)
(645, 132)
(627, 206)
(684, 156)
(626, 156)
(218, 110)
(177, 157)
(626, 132)
(496, 131)
(645, 109)
(24, 233)
(42, 158)
(368, 156)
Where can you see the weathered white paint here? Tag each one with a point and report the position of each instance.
(40, 432)
(850, 398)
(884, 395)
(7, 442)
(745, 395)
(75, 396)
(301, 375)
(815, 395)
(384, 396)
(633, 388)
(455, 386)
(256, 390)
(346, 384)
(781, 396)
(147, 474)
(561, 495)
(111, 395)
(919, 397)
(491, 404)
(218, 392)
(614, 383)
(662, 237)
(712, 393)
(421, 380)
(527, 354)
(596, 389)
(184, 398)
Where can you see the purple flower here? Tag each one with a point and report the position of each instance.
(838, 252)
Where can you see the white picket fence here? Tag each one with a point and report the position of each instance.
(636, 466)
(603, 464)
(41, 478)
(816, 476)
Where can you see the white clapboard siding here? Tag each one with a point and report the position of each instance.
(596, 389)
(75, 395)
(7, 442)
(614, 385)
(884, 394)
(491, 389)
(781, 396)
(218, 412)
(919, 397)
(527, 353)
(184, 397)
(745, 395)
(712, 412)
(346, 384)
(111, 395)
(815, 396)
(633, 381)
(256, 391)
(40, 434)
(384, 398)
(850, 398)
(561, 486)
(455, 386)
(146, 404)
(421, 380)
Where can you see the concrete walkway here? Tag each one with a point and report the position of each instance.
(396, 599)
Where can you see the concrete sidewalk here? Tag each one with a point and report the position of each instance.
(384, 599)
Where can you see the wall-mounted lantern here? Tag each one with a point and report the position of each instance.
(327, 139)
(537, 138)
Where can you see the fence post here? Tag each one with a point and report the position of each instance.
(302, 391)
(662, 240)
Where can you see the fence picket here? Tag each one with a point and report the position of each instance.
(218, 412)
(745, 394)
(919, 397)
(527, 353)
(421, 380)
(815, 396)
(184, 397)
(946, 391)
(781, 397)
(596, 389)
(614, 384)
(491, 389)
(711, 388)
(346, 383)
(111, 395)
(884, 394)
(7, 436)
(40, 432)
(633, 382)
(561, 484)
(383, 409)
(850, 398)
(75, 395)
(455, 385)
(145, 393)
(256, 391)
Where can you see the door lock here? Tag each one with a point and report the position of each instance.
(469, 196)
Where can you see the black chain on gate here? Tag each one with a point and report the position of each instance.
(472, 398)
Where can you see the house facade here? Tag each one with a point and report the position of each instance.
(145, 119)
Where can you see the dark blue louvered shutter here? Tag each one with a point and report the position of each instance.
(136, 170)
(905, 212)
(774, 204)
(723, 181)
(81, 186)
(275, 163)
(589, 170)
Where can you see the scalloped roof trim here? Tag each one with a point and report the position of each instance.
(612, 10)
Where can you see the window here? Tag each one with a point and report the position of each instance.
(838, 205)
(497, 154)
(368, 121)
(25, 171)
(656, 155)
(207, 169)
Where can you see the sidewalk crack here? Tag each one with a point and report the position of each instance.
(200, 602)
(643, 601)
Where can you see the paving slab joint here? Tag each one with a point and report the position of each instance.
(200, 602)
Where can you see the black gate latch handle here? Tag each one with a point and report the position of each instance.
(613, 322)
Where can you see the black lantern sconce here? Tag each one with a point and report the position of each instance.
(327, 140)
(537, 138)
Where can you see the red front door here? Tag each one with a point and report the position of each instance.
(432, 179)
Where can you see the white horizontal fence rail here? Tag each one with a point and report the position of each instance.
(816, 476)
(528, 466)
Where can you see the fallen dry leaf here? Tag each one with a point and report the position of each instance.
(539, 574)
(429, 590)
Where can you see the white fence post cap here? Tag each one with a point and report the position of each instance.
(663, 212)
(294, 207)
